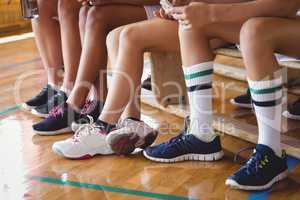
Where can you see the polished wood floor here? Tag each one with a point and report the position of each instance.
(29, 169)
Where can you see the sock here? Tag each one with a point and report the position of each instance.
(65, 90)
(198, 80)
(267, 100)
(55, 87)
(108, 127)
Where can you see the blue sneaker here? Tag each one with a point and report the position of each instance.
(185, 147)
(56, 100)
(58, 122)
(261, 171)
(40, 99)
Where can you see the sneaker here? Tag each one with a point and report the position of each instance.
(261, 171)
(56, 100)
(40, 99)
(129, 135)
(147, 84)
(88, 141)
(243, 101)
(185, 147)
(90, 108)
(293, 111)
(58, 121)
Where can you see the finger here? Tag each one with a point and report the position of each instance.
(179, 16)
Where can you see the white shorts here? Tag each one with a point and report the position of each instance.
(150, 9)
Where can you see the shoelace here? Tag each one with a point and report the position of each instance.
(88, 107)
(56, 111)
(90, 128)
(256, 162)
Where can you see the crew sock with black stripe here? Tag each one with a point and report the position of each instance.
(198, 80)
(267, 99)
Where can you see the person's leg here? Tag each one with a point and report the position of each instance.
(47, 37)
(82, 21)
(68, 13)
(260, 39)
(100, 21)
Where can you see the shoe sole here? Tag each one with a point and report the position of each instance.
(234, 185)
(188, 157)
(51, 133)
(84, 157)
(288, 115)
(34, 112)
(27, 107)
(243, 105)
(124, 144)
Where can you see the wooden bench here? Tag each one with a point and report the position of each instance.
(166, 68)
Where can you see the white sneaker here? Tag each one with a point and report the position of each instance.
(88, 141)
(131, 134)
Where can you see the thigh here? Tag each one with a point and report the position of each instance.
(284, 35)
(227, 32)
(117, 15)
(156, 35)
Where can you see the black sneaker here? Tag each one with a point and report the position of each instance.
(58, 122)
(243, 101)
(261, 171)
(147, 83)
(43, 110)
(293, 111)
(47, 92)
(90, 109)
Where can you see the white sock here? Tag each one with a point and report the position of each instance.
(198, 80)
(65, 90)
(267, 100)
(55, 87)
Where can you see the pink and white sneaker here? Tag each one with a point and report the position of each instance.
(88, 141)
(129, 135)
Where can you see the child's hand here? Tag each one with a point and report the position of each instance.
(192, 15)
(162, 14)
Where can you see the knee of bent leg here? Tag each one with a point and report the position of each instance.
(67, 8)
(83, 16)
(112, 39)
(254, 32)
(130, 35)
(97, 17)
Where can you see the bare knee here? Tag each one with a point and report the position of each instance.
(131, 36)
(67, 9)
(255, 33)
(47, 9)
(98, 17)
(83, 16)
(112, 40)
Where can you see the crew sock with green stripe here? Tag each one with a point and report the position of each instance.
(198, 80)
(267, 99)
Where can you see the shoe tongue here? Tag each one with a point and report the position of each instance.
(107, 127)
(264, 150)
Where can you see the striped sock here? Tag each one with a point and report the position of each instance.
(267, 100)
(198, 80)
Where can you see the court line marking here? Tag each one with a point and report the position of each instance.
(57, 181)
(263, 195)
(16, 38)
(9, 110)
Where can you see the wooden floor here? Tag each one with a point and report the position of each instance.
(29, 170)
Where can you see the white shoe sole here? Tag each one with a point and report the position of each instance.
(288, 115)
(34, 112)
(50, 133)
(27, 107)
(86, 156)
(189, 157)
(233, 184)
(126, 143)
(243, 105)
